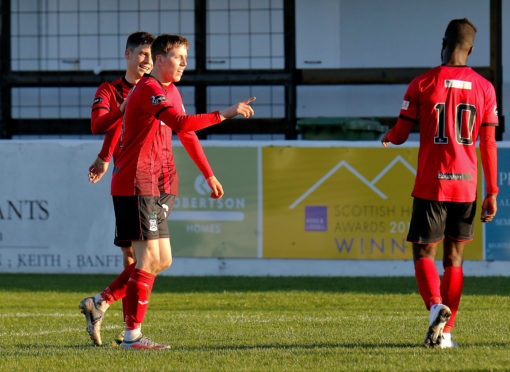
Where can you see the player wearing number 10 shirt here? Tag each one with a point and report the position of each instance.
(453, 106)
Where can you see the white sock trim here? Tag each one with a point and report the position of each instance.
(98, 298)
(101, 303)
(132, 334)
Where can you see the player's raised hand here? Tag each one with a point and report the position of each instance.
(215, 185)
(97, 170)
(241, 108)
(489, 208)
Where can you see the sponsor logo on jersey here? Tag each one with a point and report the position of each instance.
(97, 100)
(496, 110)
(143, 302)
(454, 176)
(156, 100)
(405, 105)
(459, 84)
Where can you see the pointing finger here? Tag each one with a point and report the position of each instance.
(249, 100)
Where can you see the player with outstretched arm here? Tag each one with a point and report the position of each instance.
(141, 168)
(94, 307)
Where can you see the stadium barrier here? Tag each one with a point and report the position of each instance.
(290, 208)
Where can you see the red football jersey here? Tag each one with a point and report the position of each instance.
(106, 116)
(450, 105)
(168, 181)
(144, 164)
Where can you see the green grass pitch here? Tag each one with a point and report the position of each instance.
(253, 324)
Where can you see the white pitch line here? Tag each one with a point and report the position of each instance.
(27, 315)
(56, 331)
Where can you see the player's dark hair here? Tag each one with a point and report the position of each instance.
(139, 38)
(165, 43)
(459, 33)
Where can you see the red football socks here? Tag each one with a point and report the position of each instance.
(428, 281)
(117, 289)
(451, 290)
(138, 291)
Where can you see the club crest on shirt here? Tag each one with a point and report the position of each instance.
(153, 222)
(405, 105)
(97, 100)
(156, 100)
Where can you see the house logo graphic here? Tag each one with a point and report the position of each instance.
(201, 185)
(370, 184)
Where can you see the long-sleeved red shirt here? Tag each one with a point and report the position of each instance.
(106, 116)
(145, 163)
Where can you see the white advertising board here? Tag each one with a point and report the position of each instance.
(51, 218)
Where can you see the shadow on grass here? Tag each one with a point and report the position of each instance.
(297, 346)
(31, 347)
(166, 284)
(210, 348)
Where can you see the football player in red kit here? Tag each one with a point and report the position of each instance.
(453, 107)
(95, 307)
(110, 102)
(143, 168)
(106, 118)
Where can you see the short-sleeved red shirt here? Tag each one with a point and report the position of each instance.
(450, 104)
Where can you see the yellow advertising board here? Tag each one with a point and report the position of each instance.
(344, 203)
